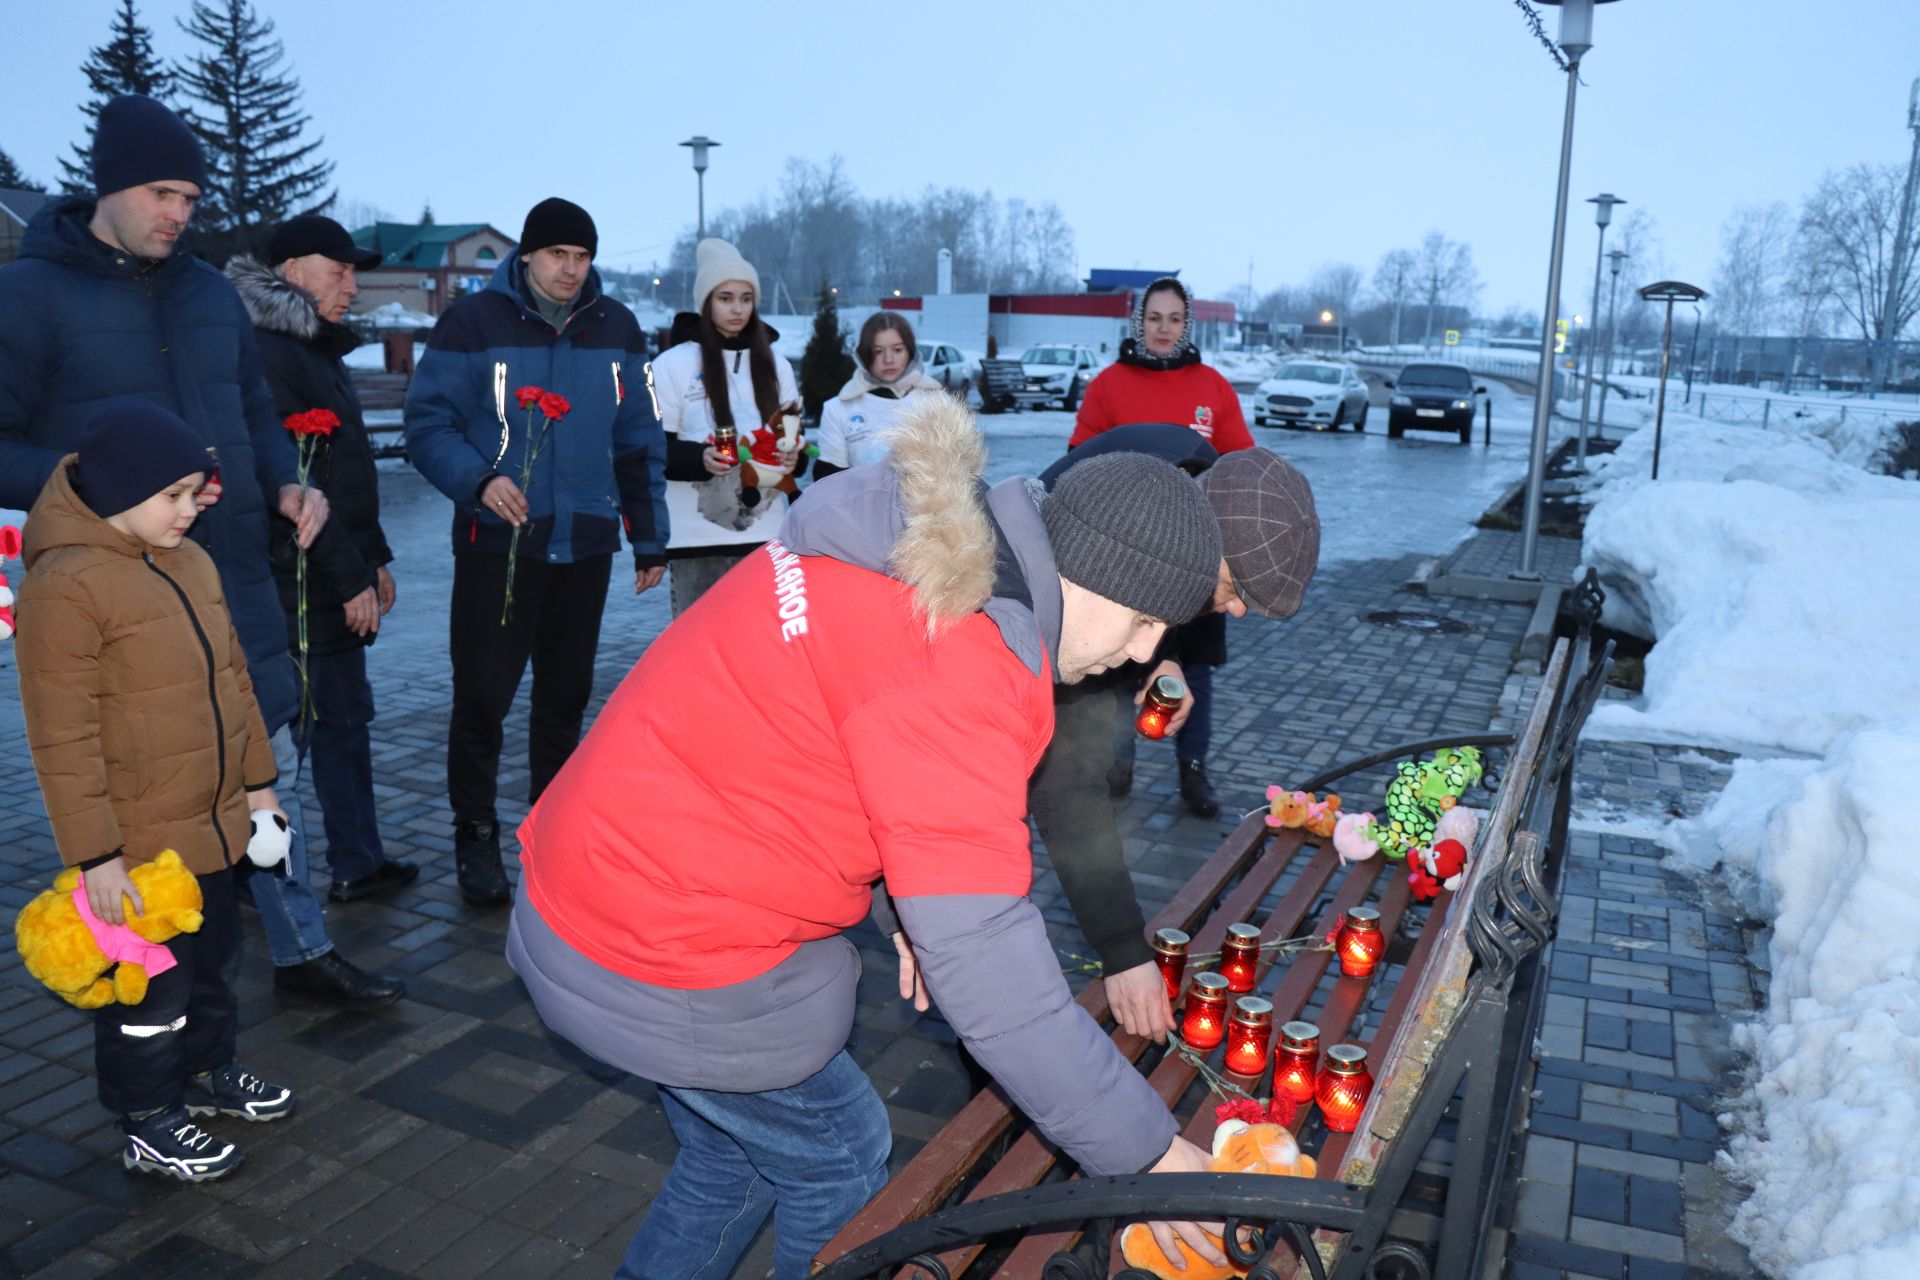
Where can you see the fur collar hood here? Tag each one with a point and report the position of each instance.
(863, 383)
(273, 302)
(925, 517)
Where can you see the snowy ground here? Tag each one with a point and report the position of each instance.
(1776, 574)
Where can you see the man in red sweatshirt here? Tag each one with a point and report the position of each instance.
(889, 662)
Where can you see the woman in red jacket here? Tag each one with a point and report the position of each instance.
(1159, 378)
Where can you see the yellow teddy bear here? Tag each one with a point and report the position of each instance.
(1238, 1147)
(71, 951)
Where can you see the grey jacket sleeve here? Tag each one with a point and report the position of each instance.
(987, 962)
(885, 919)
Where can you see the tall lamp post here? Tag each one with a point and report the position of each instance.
(701, 144)
(1669, 292)
(1602, 215)
(1900, 267)
(1614, 258)
(1576, 37)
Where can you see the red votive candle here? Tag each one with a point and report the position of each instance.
(1248, 1032)
(1360, 944)
(1240, 957)
(1157, 710)
(726, 443)
(1205, 1024)
(1170, 954)
(1296, 1061)
(1345, 1084)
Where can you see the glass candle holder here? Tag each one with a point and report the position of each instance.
(1205, 1023)
(1296, 1061)
(1170, 954)
(1345, 1084)
(1249, 1031)
(726, 443)
(1240, 957)
(1157, 710)
(1360, 943)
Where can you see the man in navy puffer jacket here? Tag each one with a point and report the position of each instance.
(104, 304)
(568, 488)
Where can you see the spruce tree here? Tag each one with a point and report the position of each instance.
(124, 64)
(426, 214)
(826, 365)
(246, 110)
(10, 175)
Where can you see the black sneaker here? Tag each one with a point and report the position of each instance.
(1197, 791)
(231, 1091)
(168, 1144)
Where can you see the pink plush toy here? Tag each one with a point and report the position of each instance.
(1350, 837)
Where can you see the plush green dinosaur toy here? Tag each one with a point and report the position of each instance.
(1419, 795)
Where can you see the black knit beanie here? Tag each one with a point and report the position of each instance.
(131, 451)
(1138, 531)
(556, 221)
(139, 140)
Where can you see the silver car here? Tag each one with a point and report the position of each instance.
(1322, 394)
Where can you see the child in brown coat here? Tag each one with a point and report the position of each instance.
(145, 735)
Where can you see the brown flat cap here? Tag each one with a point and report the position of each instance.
(1268, 527)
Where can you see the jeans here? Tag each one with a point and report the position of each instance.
(810, 1155)
(143, 1053)
(1196, 735)
(340, 752)
(555, 622)
(689, 577)
(289, 911)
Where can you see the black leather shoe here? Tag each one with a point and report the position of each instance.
(391, 874)
(1119, 779)
(335, 980)
(1197, 791)
(476, 855)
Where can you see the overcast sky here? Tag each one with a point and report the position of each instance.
(1196, 136)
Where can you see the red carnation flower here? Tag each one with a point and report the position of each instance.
(527, 396)
(554, 406)
(314, 422)
(1240, 1109)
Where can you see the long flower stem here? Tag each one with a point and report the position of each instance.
(300, 585)
(529, 454)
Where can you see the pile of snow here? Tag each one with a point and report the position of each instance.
(395, 316)
(1245, 366)
(1766, 567)
(1833, 1119)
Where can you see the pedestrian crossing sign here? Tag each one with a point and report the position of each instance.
(1453, 337)
(1559, 337)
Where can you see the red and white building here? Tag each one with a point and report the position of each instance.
(1017, 321)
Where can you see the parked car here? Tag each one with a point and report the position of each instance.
(1321, 394)
(1056, 371)
(950, 366)
(1432, 397)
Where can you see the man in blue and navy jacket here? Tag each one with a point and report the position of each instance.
(567, 486)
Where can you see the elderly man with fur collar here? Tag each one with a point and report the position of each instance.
(883, 676)
(297, 299)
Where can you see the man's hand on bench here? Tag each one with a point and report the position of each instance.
(911, 988)
(1184, 1157)
(1138, 998)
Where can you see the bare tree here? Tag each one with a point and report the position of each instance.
(1847, 227)
(1445, 275)
(355, 213)
(1638, 236)
(1335, 287)
(1393, 283)
(1754, 250)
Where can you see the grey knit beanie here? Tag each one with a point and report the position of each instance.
(1138, 531)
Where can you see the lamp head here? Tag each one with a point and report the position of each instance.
(701, 144)
(1576, 26)
(1603, 207)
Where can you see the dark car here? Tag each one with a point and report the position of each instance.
(1432, 397)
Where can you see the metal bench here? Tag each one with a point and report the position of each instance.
(987, 1196)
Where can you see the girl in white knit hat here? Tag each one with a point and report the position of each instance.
(721, 371)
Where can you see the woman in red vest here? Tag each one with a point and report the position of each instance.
(1159, 378)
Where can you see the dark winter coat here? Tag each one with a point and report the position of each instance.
(140, 713)
(82, 323)
(601, 467)
(304, 357)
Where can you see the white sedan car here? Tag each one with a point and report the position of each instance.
(1320, 394)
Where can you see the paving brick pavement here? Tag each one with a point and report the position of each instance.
(450, 1136)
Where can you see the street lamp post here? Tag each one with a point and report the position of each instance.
(1602, 215)
(1899, 267)
(1669, 292)
(701, 144)
(1576, 37)
(1614, 258)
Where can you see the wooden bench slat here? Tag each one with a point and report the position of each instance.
(948, 1158)
(1029, 1158)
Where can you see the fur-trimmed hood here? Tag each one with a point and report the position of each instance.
(273, 302)
(925, 517)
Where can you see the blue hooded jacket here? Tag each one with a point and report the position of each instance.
(602, 466)
(82, 324)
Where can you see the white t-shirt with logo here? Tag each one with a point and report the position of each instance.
(853, 433)
(680, 392)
